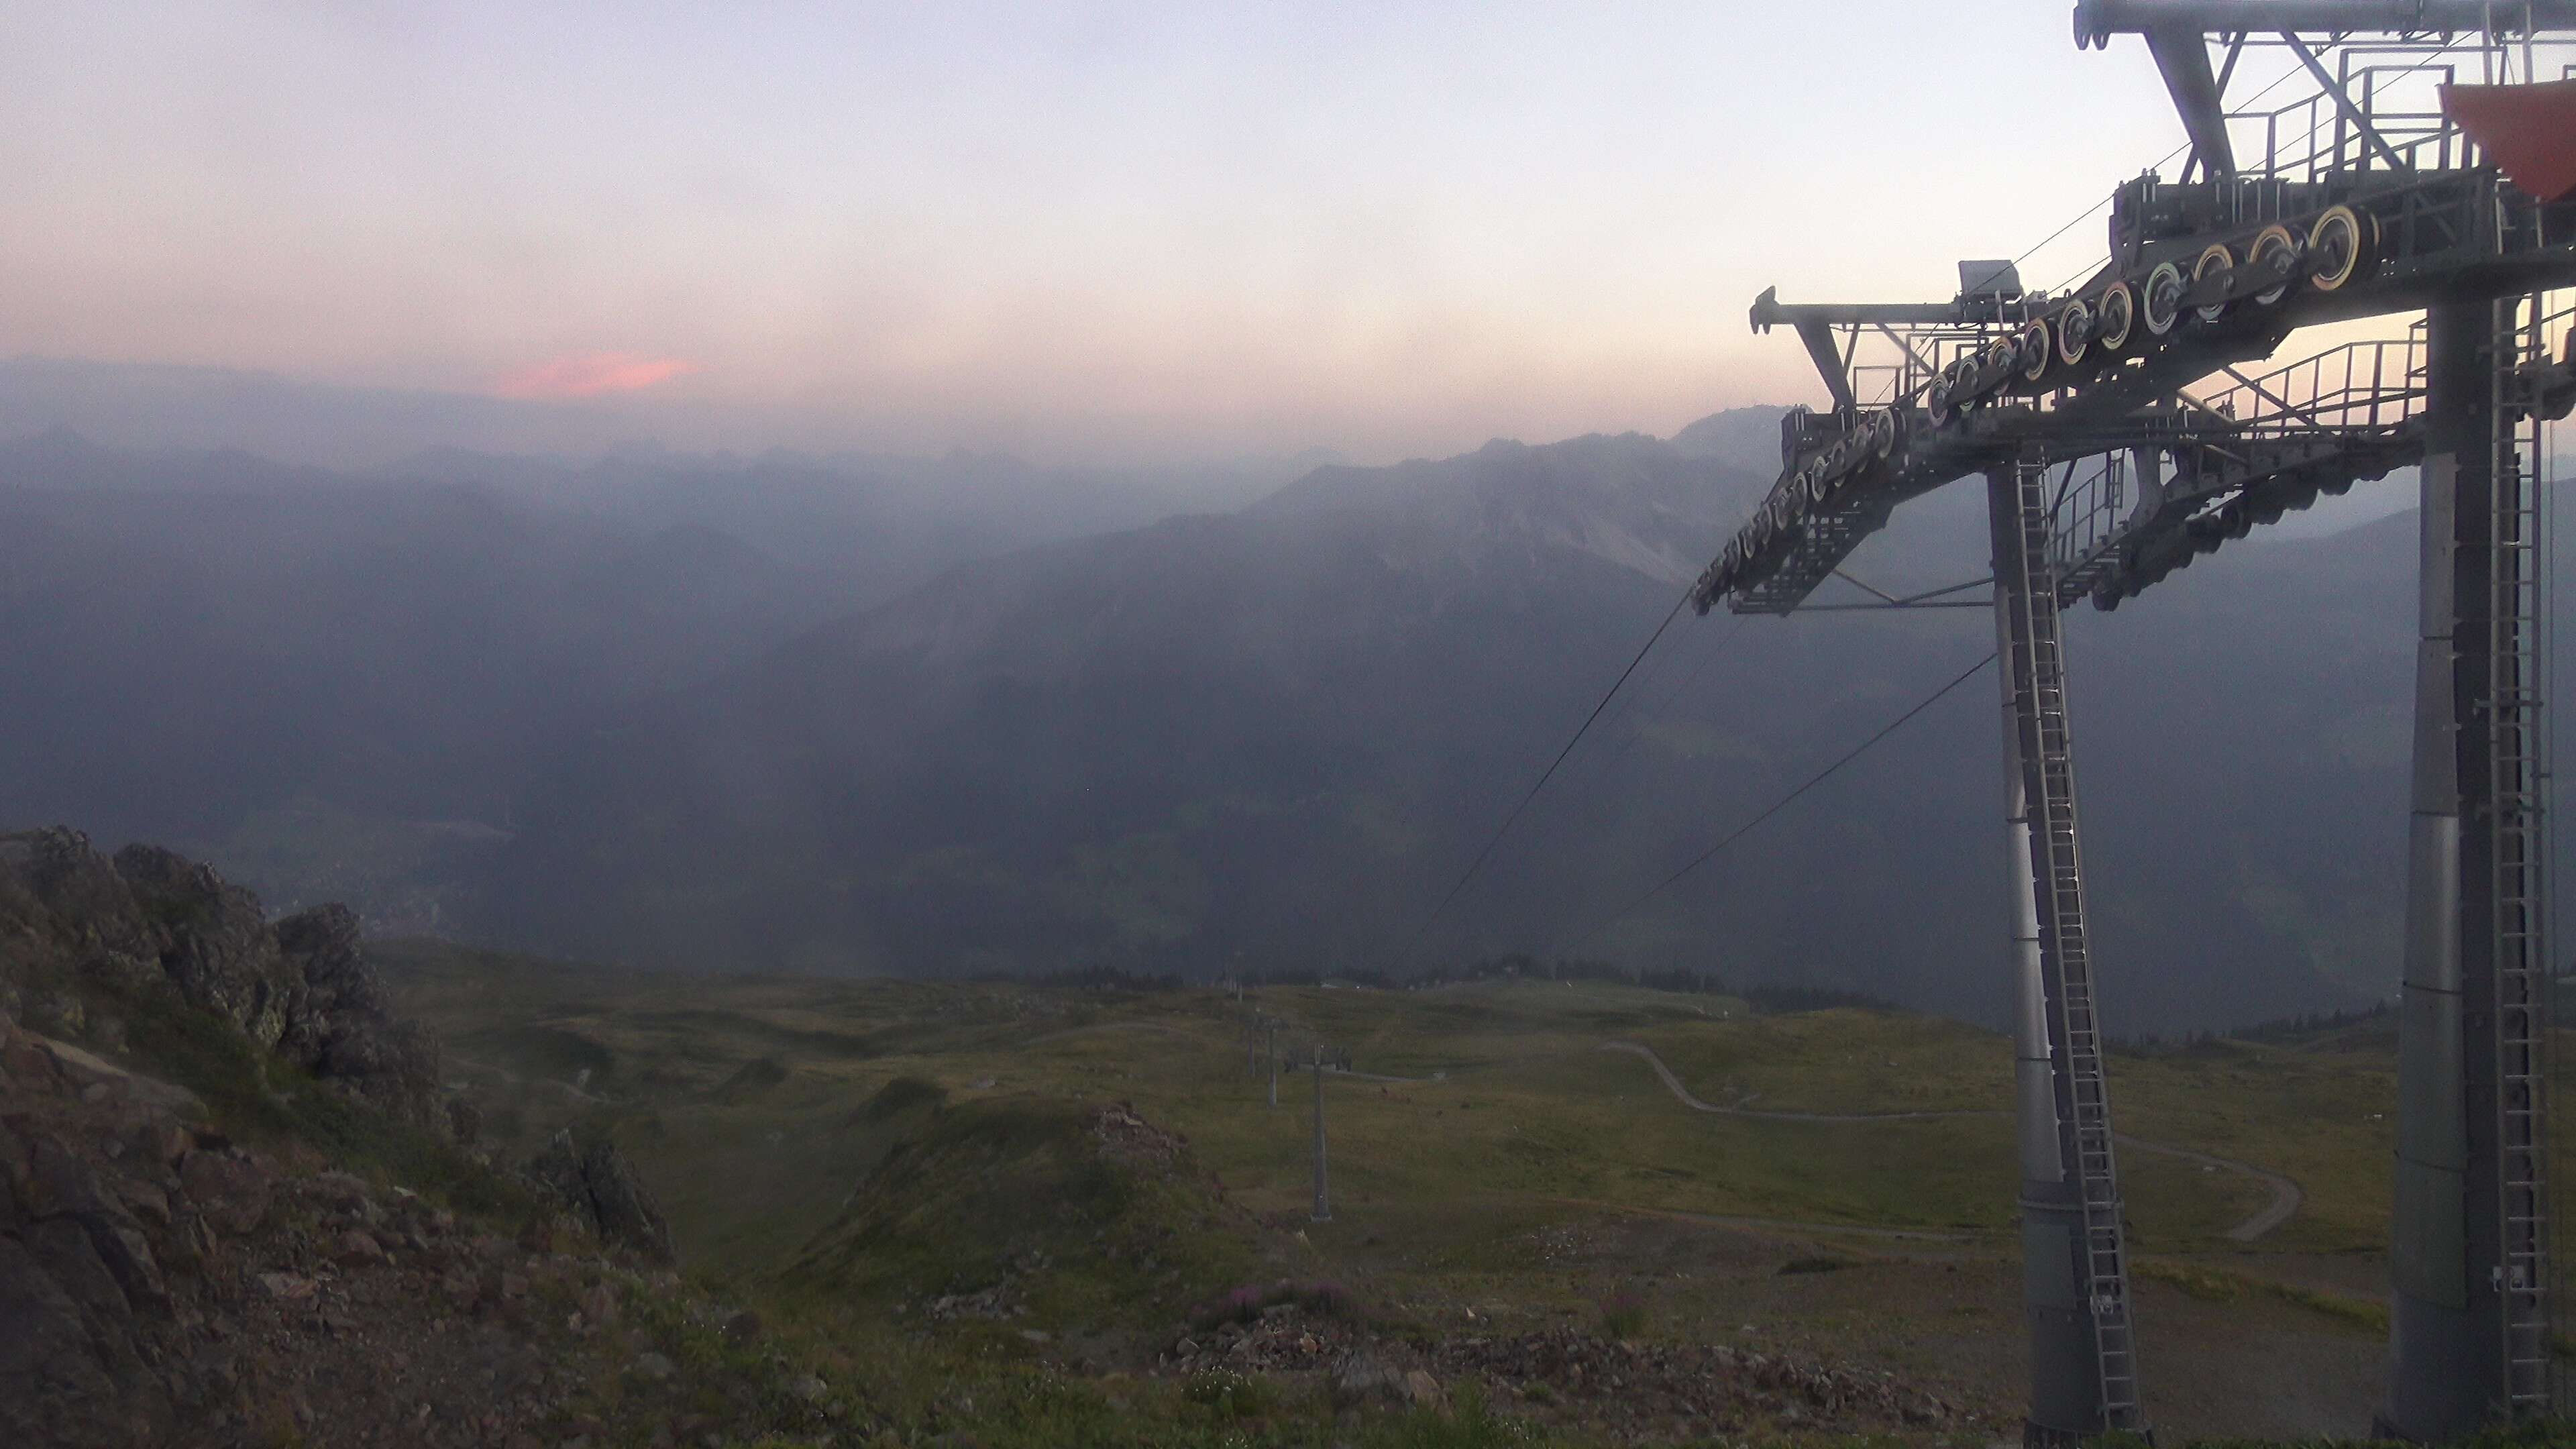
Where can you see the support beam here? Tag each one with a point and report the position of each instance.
(2183, 58)
(1829, 361)
(2096, 21)
(2353, 115)
(2468, 1332)
(2074, 1264)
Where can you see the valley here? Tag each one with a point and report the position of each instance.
(800, 715)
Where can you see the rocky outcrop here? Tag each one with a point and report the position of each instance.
(152, 919)
(602, 1190)
(86, 1311)
(213, 941)
(347, 1032)
(162, 1287)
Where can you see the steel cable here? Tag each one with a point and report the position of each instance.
(1783, 803)
(1415, 940)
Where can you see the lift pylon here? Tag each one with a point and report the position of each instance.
(2468, 1338)
(2370, 195)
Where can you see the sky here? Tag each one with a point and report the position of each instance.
(1075, 231)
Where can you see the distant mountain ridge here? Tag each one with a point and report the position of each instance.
(1630, 500)
(1272, 738)
(1261, 738)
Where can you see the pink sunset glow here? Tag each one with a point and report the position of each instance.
(590, 374)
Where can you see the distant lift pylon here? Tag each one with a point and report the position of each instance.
(2120, 438)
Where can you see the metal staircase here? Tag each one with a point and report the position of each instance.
(2083, 1105)
(2517, 777)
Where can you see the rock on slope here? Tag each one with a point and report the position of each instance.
(196, 1267)
(152, 921)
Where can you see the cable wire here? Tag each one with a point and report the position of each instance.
(1500, 831)
(1661, 702)
(1783, 803)
(1486, 852)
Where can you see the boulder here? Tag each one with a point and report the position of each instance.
(355, 1249)
(1361, 1377)
(228, 1189)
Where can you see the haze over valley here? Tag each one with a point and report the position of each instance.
(867, 715)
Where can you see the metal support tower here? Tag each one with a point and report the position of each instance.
(1323, 1200)
(2469, 1338)
(2075, 1281)
(2374, 196)
(1273, 1053)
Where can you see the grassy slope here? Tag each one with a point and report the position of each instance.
(1445, 1186)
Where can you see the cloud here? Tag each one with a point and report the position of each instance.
(590, 374)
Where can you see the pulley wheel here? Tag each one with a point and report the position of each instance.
(2114, 315)
(2272, 242)
(2160, 302)
(2074, 332)
(2003, 358)
(2037, 352)
(2216, 259)
(2341, 247)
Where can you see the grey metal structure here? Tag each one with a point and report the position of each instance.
(2121, 436)
(1323, 1198)
(2084, 1372)
(2471, 1323)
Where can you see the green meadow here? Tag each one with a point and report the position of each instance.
(846, 1152)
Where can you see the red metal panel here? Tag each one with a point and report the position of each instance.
(2529, 132)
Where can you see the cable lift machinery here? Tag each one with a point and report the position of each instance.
(2429, 167)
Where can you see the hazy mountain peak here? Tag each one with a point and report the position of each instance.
(1746, 437)
(1627, 498)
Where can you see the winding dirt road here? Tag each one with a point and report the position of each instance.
(2286, 1196)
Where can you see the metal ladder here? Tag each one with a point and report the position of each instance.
(2084, 1109)
(2515, 742)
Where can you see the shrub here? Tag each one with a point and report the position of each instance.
(1244, 1304)
(1623, 1313)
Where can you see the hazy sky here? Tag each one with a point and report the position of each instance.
(1078, 231)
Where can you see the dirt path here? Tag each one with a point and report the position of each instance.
(514, 1079)
(1696, 1105)
(2286, 1196)
(1776, 1225)
(1290, 1068)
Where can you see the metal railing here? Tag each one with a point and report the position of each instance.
(2091, 507)
(2373, 386)
(2357, 391)
(2315, 136)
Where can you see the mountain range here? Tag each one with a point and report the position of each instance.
(805, 715)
